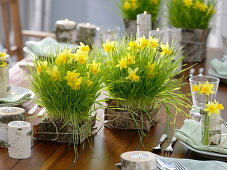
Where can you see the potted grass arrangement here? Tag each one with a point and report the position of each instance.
(193, 16)
(67, 84)
(130, 9)
(139, 76)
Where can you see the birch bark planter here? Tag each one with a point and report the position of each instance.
(19, 134)
(57, 132)
(7, 115)
(130, 27)
(123, 119)
(194, 44)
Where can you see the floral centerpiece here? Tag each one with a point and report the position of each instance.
(211, 119)
(4, 75)
(67, 85)
(130, 9)
(193, 16)
(140, 76)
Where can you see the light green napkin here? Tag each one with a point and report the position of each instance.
(191, 164)
(191, 134)
(45, 46)
(219, 66)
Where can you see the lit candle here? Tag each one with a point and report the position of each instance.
(86, 33)
(143, 24)
(138, 160)
(65, 30)
(159, 34)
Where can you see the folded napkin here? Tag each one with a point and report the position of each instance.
(191, 134)
(45, 46)
(16, 95)
(200, 165)
(219, 66)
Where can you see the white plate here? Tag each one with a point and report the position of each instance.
(212, 72)
(210, 154)
(16, 96)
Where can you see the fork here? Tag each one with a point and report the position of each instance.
(179, 165)
(162, 139)
(170, 147)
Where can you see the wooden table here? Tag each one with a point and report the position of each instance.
(107, 145)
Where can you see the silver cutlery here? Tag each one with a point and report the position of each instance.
(164, 164)
(201, 70)
(33, 109)
(179, 165)
(170, 147)
(191, 72)
(162, 139)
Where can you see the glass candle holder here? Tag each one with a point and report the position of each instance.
(109, 33)
(200, 100)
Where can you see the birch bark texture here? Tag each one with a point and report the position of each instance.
(19, 139)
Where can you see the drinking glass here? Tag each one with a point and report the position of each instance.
(199, 100)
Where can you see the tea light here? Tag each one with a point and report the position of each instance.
(65, 30)
(86, 33)
(143, 24)
(19, 139)
(138, 160)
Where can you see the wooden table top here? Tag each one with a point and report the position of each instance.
(107, 145)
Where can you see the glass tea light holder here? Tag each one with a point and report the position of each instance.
(109, 33)
(200, 100)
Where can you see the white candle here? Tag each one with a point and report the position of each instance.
(19, 139)
(143, 24)
(159, 34)
(66, 24)
(138, 160)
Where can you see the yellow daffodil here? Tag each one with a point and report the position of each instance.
(3, 63)
(61, 58)
(132, 75)
(109, 46)
(153, 42)
(134, 4)
(127, 5)
(200, 6)
(143, 42)
(81, 58)
(123, 63)
(94, 67)
(2, 56)
(213, 108)
(188, 3)
(42, 66)
(151, 68)
(130, 59)
(206, 89)
(165, 49)
(195, 88)
(133, 46)
(89, 82)
(55, 74)
(73, 79)
(83, 48)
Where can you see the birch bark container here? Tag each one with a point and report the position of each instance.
(138, 160)
(86, 33)
(7, 115)
(4, 78)
(143, 24)
(19, 139)
(65, 31)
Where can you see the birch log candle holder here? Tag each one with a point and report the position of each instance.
(138, 160)
(19, 139)
(8, 114)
